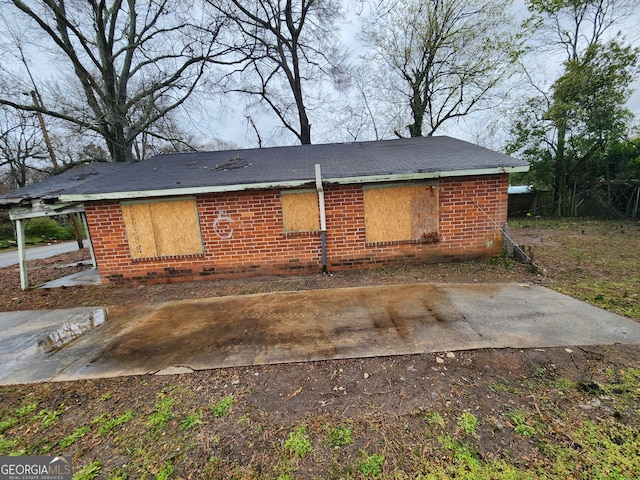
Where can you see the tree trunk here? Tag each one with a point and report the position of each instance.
(305, 132)
(120, 148)
(560, 171)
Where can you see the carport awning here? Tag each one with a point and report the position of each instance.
(40, 209)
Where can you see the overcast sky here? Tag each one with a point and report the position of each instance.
(229, 124)
(212, 118)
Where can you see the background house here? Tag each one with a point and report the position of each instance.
(296, 209)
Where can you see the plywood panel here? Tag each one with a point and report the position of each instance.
(176, 227)
(424, 213)
(161, 229)
(300, 212)
(404, 213)
(386, 214)
(139, 226)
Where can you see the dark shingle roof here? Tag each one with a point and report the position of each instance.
(423, 157)
(50, 188)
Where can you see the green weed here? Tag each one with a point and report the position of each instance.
(27, 409)
(106, 396)
(371, 465)
(563, 385)
(298, 442)
(244, 420)
(162, 414)
(464, 457)
(6, 446)
(191, 420)
(435, 418)
(165, 472)
(339, 435)
(468, 423)
(7, 424)
(606, 450)
(212, 466)
(74, 437)
(221, 408)
(48, 417)
(624, 382)
(110, 424)
(88, 472)
(519, 421)
(501, 386)
(118, 474)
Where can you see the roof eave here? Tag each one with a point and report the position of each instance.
(170, 192)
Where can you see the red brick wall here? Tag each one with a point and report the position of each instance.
(253, 241)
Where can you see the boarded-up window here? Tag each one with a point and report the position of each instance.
(162, 228)
(401, 213)
(300, 211)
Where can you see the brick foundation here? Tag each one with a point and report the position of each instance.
(248, 237)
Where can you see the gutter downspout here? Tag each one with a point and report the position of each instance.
(323, 218)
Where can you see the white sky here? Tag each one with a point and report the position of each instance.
(230, 124)
(209, 120)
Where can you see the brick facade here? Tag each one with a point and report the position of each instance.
(242, 234)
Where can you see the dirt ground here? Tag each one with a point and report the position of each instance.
(501, 413)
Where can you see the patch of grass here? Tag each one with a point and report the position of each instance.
(106, 396)
(435, 419)
(27, 409)
(603, 450)
(221, 408)
(502, 385)
(563, 385)
(191, 420)
(519, 421)
(162, 414)
(298, 442)
(339, 435)
(371, 465)
(110, 424)
(468, 423)
(77, 434)
(118, 474)
(6, 446)
(88, 472)
(7, 424)
(244, 420)
(464, 459)
(165, 472)
(48, 417)
(212, 466)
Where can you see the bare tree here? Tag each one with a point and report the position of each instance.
(289, 48)
(22, 150)
(440, 60)
(129, 63)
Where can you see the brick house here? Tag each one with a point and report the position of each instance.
(296, 209)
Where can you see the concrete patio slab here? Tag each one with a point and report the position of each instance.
(183, 336)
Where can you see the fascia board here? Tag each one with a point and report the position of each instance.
(170, 192)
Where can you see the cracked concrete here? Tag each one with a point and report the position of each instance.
(183, 336)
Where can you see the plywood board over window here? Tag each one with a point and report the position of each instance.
(395, 213)
(300, 212)
(162, 228)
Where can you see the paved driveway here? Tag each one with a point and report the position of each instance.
(191, 335)
(10, 257)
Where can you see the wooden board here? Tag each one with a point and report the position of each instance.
(300, 212)
(402, 213)
(162, 228)
(139, 226)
